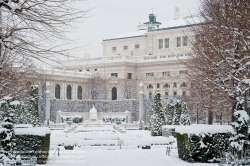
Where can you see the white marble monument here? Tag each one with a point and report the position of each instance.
(93, 119)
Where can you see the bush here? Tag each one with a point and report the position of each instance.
(69, 147)
(204, 147)
(33, 145)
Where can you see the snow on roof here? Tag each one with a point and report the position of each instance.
(198, 129)
(181, 22)
(42, 131)
(130, 34)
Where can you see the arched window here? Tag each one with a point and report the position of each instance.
(150, 86)
(166, 85)
(183, 84)
(114, 93)
(57, 91)
(69, 90)
(79, 93)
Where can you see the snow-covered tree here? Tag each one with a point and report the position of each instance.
(177, 112)
(126, 87)
(8, 133)
(239, 141)
(185, 118)
(157, 118)
(169, 113)
(33, 106)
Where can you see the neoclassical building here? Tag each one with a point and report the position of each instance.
(155, 55)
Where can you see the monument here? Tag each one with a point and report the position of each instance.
(93, 119)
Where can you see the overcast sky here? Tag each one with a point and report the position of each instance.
(110, 18)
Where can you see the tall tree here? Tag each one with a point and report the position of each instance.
(126, 87)
(158, 119)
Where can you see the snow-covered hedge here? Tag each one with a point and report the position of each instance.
(109, 119)
(33, 142)
(74, 119)
(202, 143)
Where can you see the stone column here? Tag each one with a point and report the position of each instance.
(47, 113)
(141, 96)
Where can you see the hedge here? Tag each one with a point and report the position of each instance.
(33, 145)
(204, 147)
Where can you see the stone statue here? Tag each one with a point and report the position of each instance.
(93, 114)
(93, 119)
(176, 13)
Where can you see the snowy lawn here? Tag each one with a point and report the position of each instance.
(119, 157)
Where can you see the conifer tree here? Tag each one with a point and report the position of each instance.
(33, 106)
(169, 113)
(177, 112)
(8, 133)
(239, 142)
(157, 119)
(185, 118)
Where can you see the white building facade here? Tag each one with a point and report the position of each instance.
(155, 54)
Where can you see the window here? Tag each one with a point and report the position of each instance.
(175, 93)
(80, 70)
(114, 93)
(183, 72)
(149, 74)
(184, 40)
(178, 41)
(125, 47)
(166, 85)
(57, 91)
(95, 69)
(166, 73)
(183, 84)
(160, 43)
(79, 93)
(175, 84)
(114, 48)
(137, 46)
(184, 93)
(87, 69)
(150, 96)
(166, 43)
(114, 74)
(150, 86)
(158, 85)
(129, 75)
(166, 94)
(69, 91)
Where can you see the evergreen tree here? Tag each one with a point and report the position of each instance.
(33, 106)
(184, 119)
(239, 141)
(157, 119)
(169, 113)
(8, 133)
(177, 112)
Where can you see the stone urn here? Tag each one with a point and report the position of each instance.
(69, 122)
(118, 122)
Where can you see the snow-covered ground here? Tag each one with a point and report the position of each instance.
(119, 157)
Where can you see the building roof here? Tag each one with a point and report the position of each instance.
(172, 24)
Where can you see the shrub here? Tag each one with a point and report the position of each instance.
(33, 145)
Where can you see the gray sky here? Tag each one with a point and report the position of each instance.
(110, 18)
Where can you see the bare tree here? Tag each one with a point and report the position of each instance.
(126, 87)
(95, 87)
(29, 31)
(221, 49)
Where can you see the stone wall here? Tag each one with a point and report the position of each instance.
(101, 106)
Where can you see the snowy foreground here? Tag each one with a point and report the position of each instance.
(119, 157)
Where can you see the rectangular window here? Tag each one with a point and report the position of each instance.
(114, 74)
(184, 93)
(125, 47)
(175, 84)
(184, 40)
(114, 48)
(129, 75)
(137, 46)
(87, 69)
(160, 43)
(149, 74)
(166, 73)
(175, 93)
(166, 93)
(158, 85)
(178, 41)
(80, 70)
(183, 72)
(95, 69)
(166, 43)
